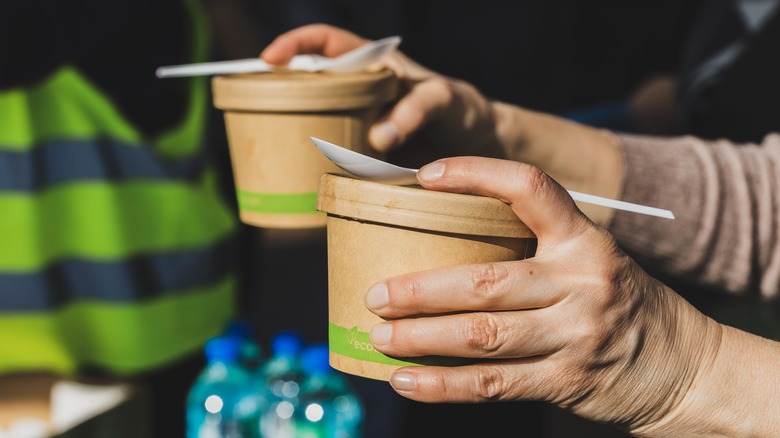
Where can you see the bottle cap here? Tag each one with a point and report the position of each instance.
(222, 349)
(286, 344)
(315, 359)
(239, 329)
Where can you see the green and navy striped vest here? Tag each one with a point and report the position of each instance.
(115, 249)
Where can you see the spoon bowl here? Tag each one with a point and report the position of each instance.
(354, 60)
(365, 167)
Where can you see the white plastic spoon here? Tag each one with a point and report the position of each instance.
(354, 60)
(370, 168)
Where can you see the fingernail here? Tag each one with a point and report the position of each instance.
(380, 333)
(384, 135)
(431, 172)
(377, 297)
(403, 382)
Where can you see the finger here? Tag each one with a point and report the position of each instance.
(406, 68)
(522, 379)
(485, 287)
(318, 39)
(483, 335)
(537, 200)
(426, 101)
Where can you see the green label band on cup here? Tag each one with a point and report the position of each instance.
(355, 344)
(278, 203)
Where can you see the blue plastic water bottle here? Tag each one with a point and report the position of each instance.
(283, 374)
(223, 402)
(329, 407)
(251, 354)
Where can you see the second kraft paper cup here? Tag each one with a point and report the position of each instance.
(269, 118)
(376, 231)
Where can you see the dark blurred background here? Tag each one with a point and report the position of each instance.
(621, 65)
(582, 59)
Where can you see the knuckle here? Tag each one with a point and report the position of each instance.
(413, 112)
(482, 333)
(443, 89)
(536, 180)
(593, 336)
(613, 280)
(490, 384)
(488, 281)
(425, 101)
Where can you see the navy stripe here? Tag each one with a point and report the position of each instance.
(62, 161)
(138, 278)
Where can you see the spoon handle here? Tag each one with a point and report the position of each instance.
(621, 205)
(370, 168)
(214, 68)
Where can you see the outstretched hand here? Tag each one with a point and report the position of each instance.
(579, 324)
(442, 113)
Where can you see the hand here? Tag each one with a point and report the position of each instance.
(434, 111)
(579, 325)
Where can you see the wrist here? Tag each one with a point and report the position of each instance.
(510, 123)
(687, 357)
(579, 157)
(732, 394)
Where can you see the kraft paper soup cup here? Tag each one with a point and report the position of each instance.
(376, 231)
(269, 118)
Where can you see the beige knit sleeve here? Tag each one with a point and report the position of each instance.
(726, 199)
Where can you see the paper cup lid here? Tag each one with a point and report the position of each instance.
(302, 91)
(416, 207)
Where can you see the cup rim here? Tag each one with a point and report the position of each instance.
(415, 207)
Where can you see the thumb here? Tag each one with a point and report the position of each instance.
(537, 200)
(426, 101)
(320, 39)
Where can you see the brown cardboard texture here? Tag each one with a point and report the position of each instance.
(376, 231)
(269, 118)
(25, 396)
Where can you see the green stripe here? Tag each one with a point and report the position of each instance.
(64, 106)
(98, 221)
(355, 344)
(186, 139)
(68, 106)
(124, 338)
(15, 126)
(278, 203)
